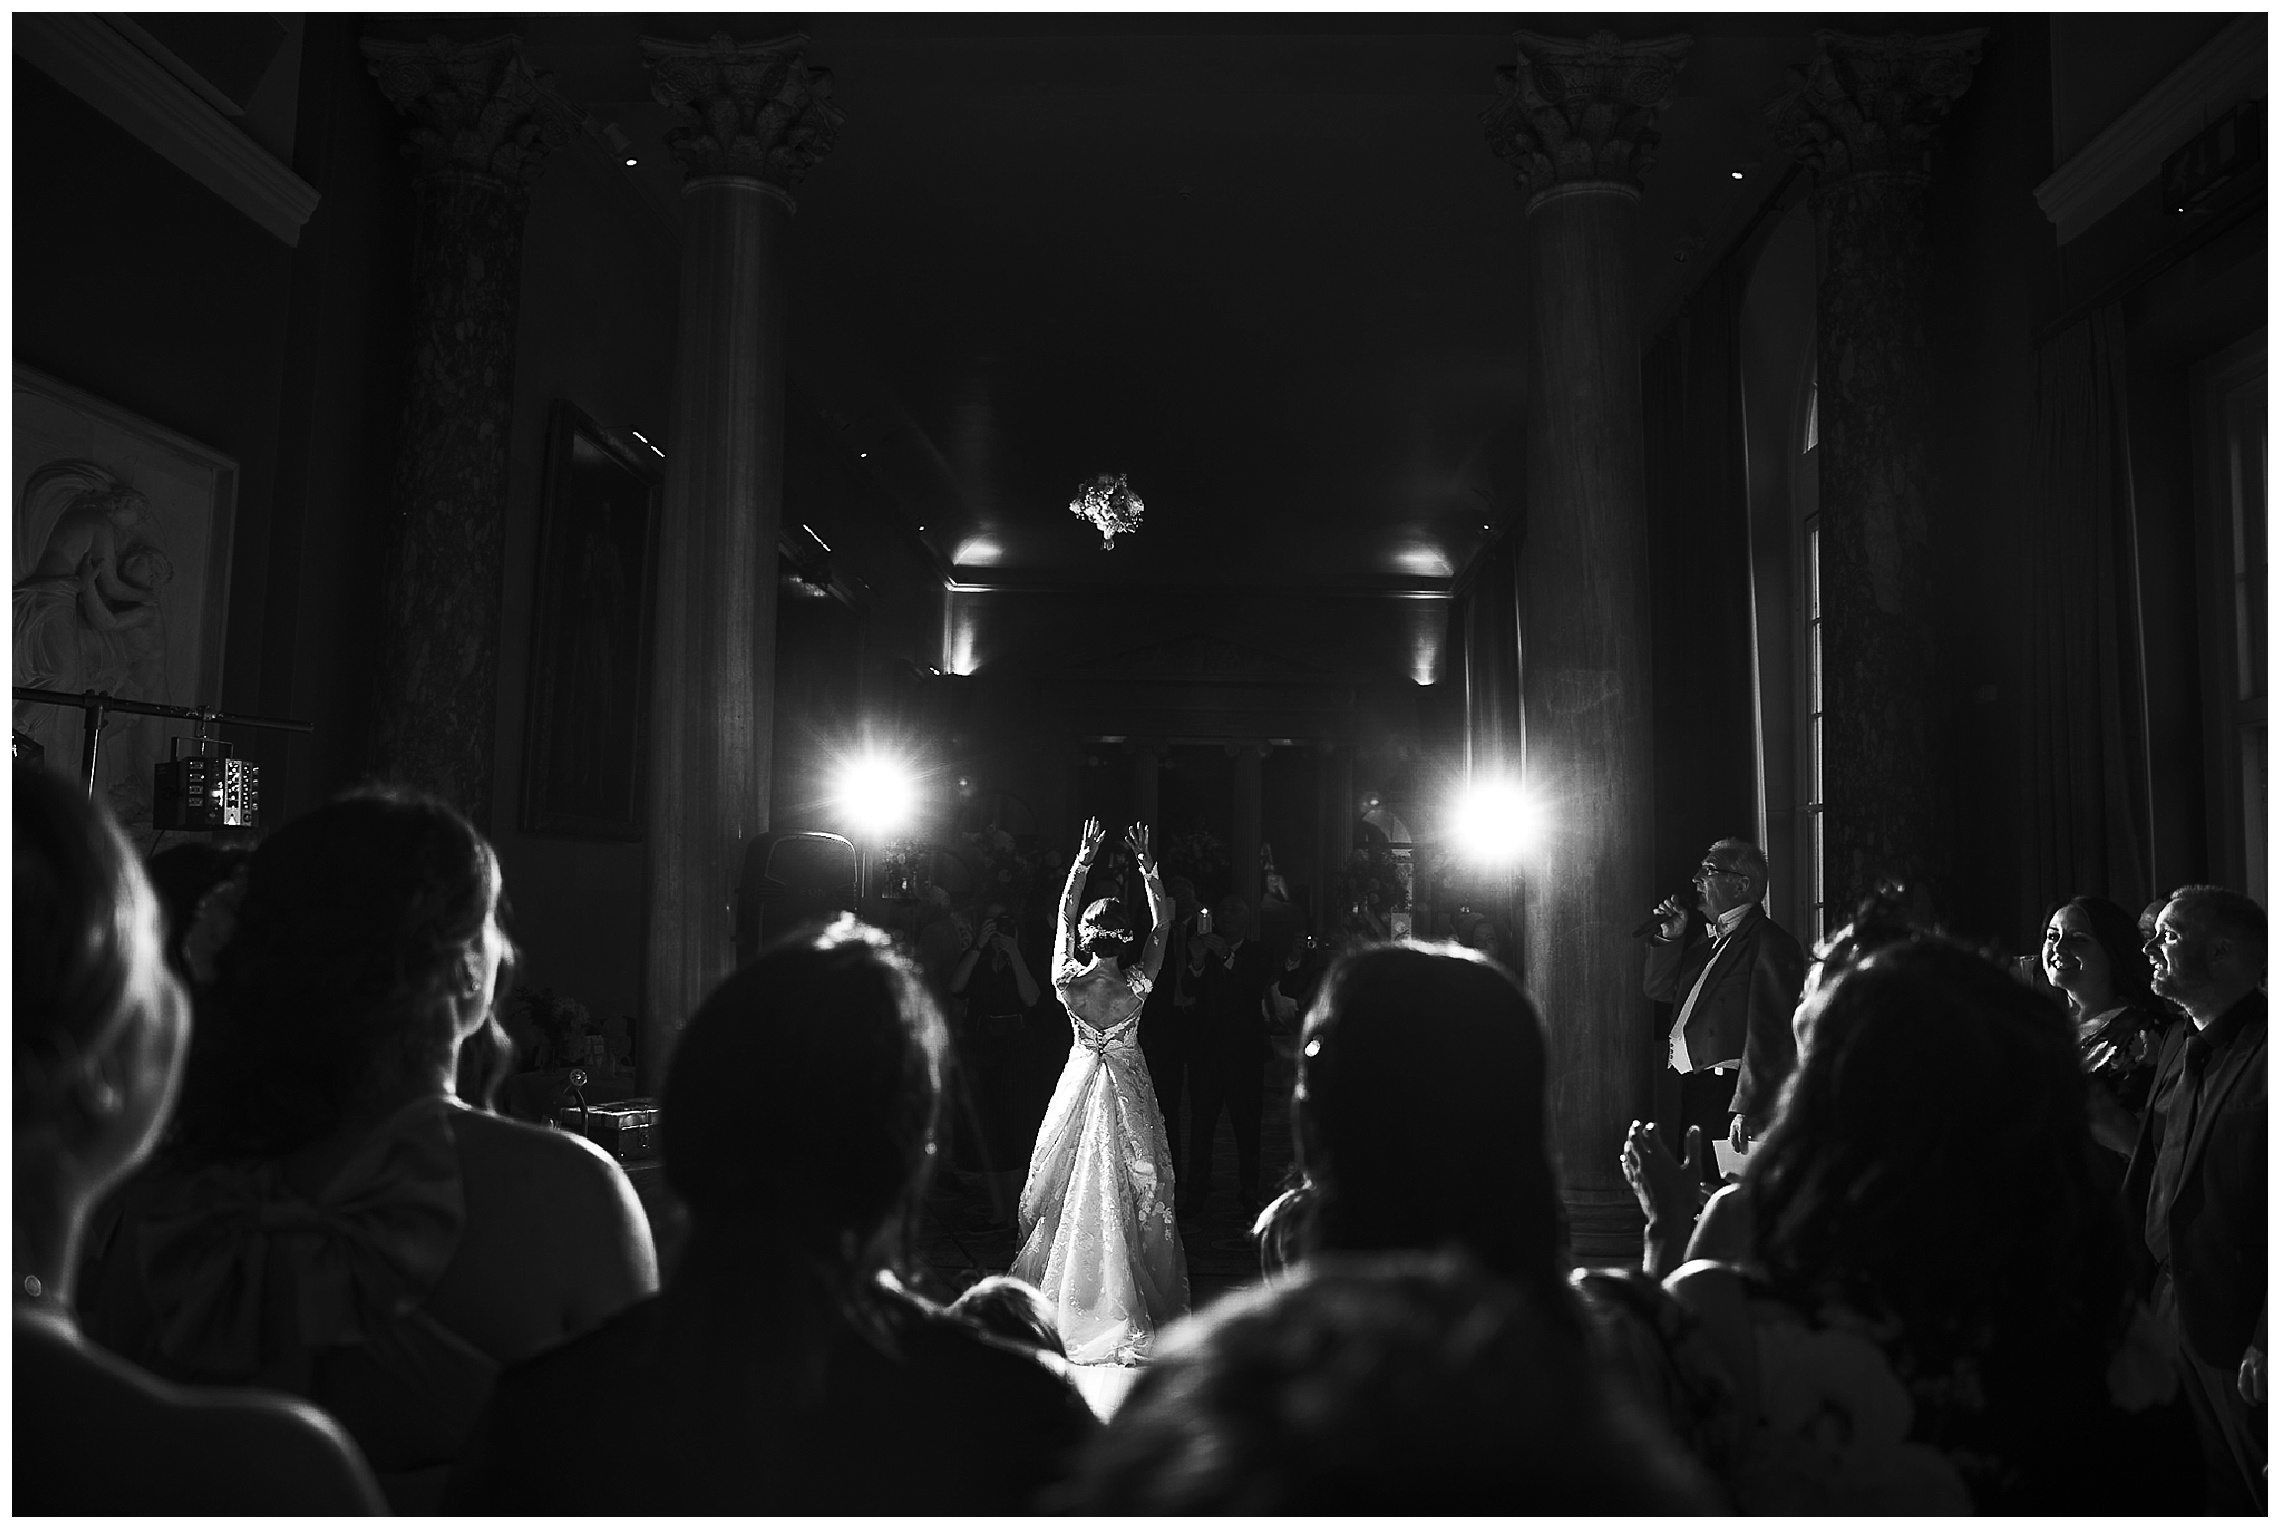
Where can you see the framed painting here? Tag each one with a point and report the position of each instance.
(122, 579)
(586, 743)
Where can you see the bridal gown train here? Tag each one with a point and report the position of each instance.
(1098, 1235)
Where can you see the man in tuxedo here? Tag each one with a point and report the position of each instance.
(1227, 1067)
(2197, 1182)
(1734, 975)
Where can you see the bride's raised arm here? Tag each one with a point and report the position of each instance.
(1073, 896)
(1159, 902)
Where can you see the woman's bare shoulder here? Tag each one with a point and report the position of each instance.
(496, 1144)
(198, 1450)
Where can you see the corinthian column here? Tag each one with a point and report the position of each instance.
(482, 123)
(1861, 116)
(750, 120)
(1577, 123)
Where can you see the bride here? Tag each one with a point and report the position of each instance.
(1097, 1232)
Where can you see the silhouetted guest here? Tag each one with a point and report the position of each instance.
(785, 1369)
(184, 877)
(1936, 1317)
(1419, 1119)
(1010, 1309)
(1733, 976)
(2198, 1182)
(100, 1029)
(1394, 1384)
(994, 978)
(2093, 956)
(1167, 1019)
(328, 1217)
(1227, 1069)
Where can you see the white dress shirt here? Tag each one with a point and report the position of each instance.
(1727, 923)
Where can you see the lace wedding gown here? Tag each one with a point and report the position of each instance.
(1097, 1228)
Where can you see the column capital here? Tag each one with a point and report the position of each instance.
(1867, 104)
(480, 108)
(1583, 110)
(753, 109)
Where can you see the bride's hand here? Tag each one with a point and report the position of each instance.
(1136, 840)
(1089, 845)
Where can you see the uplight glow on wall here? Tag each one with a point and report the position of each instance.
(1424, 560)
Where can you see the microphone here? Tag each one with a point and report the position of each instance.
(1687, 899)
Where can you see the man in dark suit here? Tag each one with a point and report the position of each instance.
(2196, 1183)
(1734, 975)
(1227, 1067)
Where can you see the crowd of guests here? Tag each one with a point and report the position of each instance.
(275, 1255)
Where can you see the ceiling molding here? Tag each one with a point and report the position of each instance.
(2227, 69)
(94, 62)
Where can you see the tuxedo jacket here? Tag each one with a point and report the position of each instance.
(1744, 1014)
(2217, 1221)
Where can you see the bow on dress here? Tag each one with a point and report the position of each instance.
(358, 1257)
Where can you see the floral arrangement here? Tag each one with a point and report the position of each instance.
(1196, 853)
(548, 1030)
(1369, 891)
(1003, 870)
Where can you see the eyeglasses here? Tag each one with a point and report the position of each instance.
(1709, 871)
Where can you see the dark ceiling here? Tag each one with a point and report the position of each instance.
(1265, 264)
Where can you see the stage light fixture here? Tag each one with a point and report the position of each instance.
(1494, 821)
(878, 795)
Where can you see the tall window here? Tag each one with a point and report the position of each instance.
(2229, 396)
(1814, 819)
(1815, 848)
(2245, 444)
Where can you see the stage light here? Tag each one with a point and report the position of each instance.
(877, 795)
(1494, 822)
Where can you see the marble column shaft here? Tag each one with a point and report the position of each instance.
(1861, 115)
(482, 122)
(750, 120)
(1577, 123)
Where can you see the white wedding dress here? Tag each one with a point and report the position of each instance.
(1097, 1230)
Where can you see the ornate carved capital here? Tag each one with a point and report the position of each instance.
(478, 107)
(1871, 103)
(744, 108)
(1583, 111)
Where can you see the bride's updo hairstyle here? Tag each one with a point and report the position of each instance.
(1420, 1114)
(1104, 930)
(339, 982)
(800, 1107)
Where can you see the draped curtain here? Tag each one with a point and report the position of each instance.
(2088, 790)
(1698, 549)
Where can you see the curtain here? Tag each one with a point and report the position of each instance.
(1698, 550)
(2088, 790)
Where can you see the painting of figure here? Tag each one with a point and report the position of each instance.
(120, 579)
